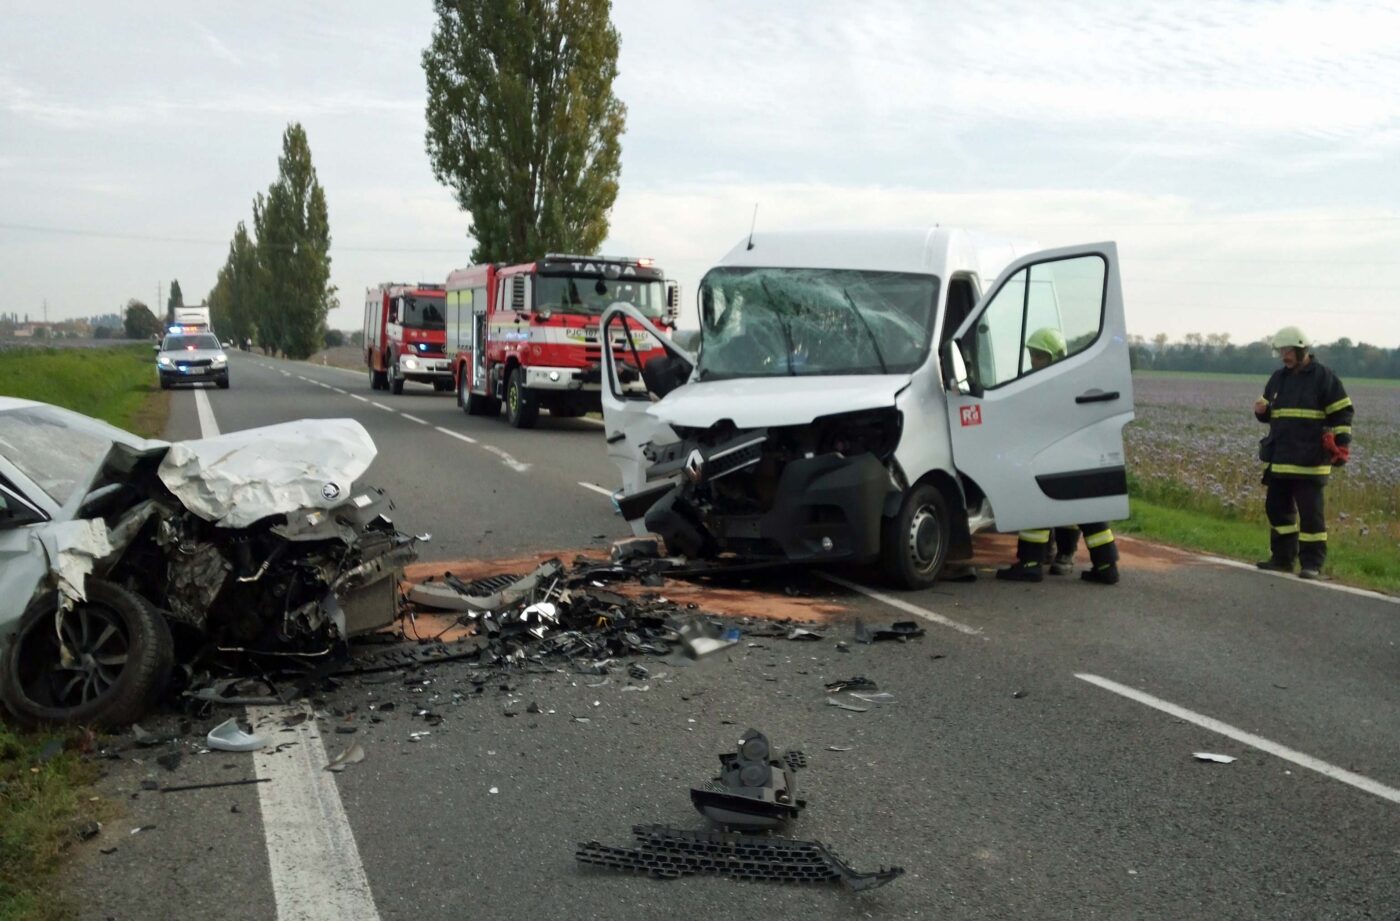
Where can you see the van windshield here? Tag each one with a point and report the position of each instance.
(777, 322)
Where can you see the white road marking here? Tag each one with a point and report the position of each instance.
(387, 409)
(208, 425)
(414, 419)
(902, 605)
(591, 419)
(506, 459)
(316, 870)
(1333, 586)
(284, 373)
(1247, 738)
(596, 488)
(360, 398)
(338, 390)
(458, 435)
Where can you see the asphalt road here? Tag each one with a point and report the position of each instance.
(1011, 776)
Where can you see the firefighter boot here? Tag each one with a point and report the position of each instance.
(1062, 565)
(1066, 543)
(1103, 555)
(1021, 572)
(1106, 574)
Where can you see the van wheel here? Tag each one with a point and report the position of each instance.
(522, 406)
(104, 661)
(914, 543)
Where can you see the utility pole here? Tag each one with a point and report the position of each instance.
(46, 311)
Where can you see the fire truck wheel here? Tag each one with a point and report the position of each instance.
(522, 406)
(376, 380)
(395, 380)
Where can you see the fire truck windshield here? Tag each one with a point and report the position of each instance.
(592, 296)
(421, 313)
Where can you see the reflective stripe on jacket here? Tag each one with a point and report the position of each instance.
(1303, 404)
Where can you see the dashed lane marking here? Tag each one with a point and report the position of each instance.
(457, 435)
(414, 419)
(596, 488)
(387, 409)
(506, 459)
(902, 605)
(1350, 778)
(208, 425)
(360, 398)
(342, 392)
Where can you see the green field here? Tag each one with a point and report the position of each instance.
(117, 385)
(1259, 378)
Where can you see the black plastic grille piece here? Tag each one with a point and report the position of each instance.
(795, 760)
(668, 853)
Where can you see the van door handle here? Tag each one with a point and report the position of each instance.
(1097, 396)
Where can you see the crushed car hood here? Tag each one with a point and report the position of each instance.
(236, 479)
(776, 401)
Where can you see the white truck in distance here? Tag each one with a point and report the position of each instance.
(861, 396)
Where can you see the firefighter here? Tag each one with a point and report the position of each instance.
(1033, 548)
(1309, 417)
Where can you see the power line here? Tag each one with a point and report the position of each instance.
(195, 241)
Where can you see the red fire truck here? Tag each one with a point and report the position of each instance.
(404, 333)
(526, 336)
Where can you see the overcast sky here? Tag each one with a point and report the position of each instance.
(1246, 157)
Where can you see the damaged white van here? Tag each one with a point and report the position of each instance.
(869, 396)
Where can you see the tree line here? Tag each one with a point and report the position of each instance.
(1216, 353)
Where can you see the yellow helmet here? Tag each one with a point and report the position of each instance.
(1049, 340)
(1290, 337)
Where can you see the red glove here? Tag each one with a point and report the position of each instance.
(1339, 454)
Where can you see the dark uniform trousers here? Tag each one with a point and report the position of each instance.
(1033, 548)
(1297, 525)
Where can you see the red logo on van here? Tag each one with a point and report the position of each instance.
(970, 415)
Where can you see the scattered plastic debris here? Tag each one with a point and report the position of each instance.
(832, 701)
(755, 789)
(873, 697)
(1213, 757)
(354, 754)
(228, 737)
(215, 785)
(858, 683)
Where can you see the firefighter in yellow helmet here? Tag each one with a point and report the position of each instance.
(1033, 547)
(1309, 417)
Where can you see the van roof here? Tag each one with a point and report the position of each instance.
(932, 250)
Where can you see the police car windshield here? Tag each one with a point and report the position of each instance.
(422, 313)
(181, 343)
(592, 296)
(777, 322)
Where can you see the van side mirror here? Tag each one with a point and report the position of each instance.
(955, 376)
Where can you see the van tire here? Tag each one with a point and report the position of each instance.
(914, 543)
(522, 404)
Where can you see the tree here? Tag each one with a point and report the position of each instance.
(523, 124)
(102, 332)
(174, 301)
(293, 248)
(334, 338)
(235, 299)
(139, 322)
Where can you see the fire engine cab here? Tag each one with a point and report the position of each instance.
(526, 336)
(404, 333)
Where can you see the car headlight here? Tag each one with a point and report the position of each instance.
(164, 361)
(410, 363)
(219, 361)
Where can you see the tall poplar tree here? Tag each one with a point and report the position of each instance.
(293, 248)
(235, 299)
(523, 124)
(174, 301)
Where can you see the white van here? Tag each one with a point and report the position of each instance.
(860, 396)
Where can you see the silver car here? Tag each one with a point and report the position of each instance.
(187, 358)
(122, 558)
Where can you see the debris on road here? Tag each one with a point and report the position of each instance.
(1213, 757)
(183, 788)
(832, 701)
(756, 789)
(670, 853)
(899, 631)
(228, 737)
(857, 683)
(352, 755)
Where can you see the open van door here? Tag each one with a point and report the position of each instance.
(635, 376)
(1044, 442)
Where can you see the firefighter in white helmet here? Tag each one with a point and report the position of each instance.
(1309, 417)
(1033, 547)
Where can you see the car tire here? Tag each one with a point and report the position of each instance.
(114, 620)
(165, 382)
(914, 543)
(522, 405)
(223, 382)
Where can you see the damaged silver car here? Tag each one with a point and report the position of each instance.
(121, 557)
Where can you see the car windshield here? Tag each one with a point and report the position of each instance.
(777, 322)
(592, 296)
(57, 449)
(422, 313)
(181, 343)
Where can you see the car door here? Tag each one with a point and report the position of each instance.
(1045, 444)
(628, 427)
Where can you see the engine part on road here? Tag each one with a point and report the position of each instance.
(669, 853)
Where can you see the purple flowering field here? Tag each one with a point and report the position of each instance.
(1196, 435)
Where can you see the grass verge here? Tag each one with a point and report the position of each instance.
(1351, 558)
(44, 804)
(44, 789)
(117, 385)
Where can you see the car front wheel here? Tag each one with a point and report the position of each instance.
(102, 661)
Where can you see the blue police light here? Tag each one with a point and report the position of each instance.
(423, 346)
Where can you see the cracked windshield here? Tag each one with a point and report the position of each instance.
(592, 296)
(789, 322)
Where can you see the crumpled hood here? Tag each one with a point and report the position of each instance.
(236, 479)
(774, 401)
